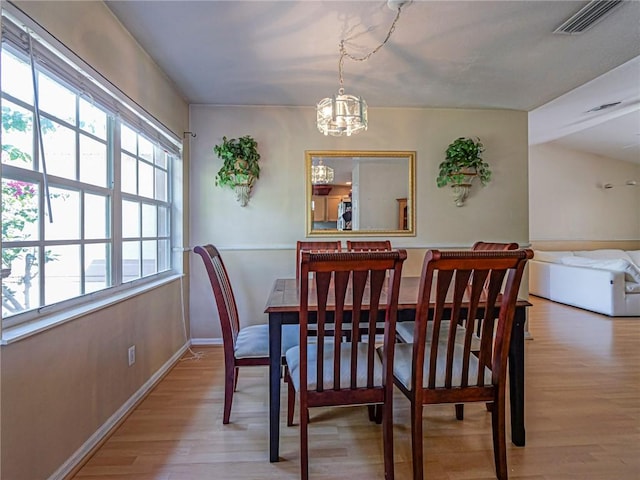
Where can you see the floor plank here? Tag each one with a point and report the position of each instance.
(582, 419)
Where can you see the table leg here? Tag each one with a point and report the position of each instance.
(275, 362)
(516, 378)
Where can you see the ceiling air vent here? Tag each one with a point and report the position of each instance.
(603, 107)
(588, 16)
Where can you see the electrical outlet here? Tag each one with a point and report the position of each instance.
(132, 355)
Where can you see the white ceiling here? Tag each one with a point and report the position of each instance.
(612, 132)
(455, 54)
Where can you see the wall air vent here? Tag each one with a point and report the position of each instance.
(588, 16)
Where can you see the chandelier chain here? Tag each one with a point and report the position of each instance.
(342, 114)
(344, 53)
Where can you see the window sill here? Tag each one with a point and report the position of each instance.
(25, 330)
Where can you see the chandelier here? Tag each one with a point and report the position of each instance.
(344, 114)
(321, 174)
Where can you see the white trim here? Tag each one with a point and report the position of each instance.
(206, 341)
(581, 239)
(244, 248)
(285, 246)
(29, 328)
(75, 459)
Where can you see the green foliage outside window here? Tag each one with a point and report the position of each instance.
(20, 210)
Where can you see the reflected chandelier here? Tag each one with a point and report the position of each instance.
(344, 114)
(321, 174)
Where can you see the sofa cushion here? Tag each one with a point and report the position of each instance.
(630, 287)
(635, 256)
(631, 272)
(603, 254)
(551, 257)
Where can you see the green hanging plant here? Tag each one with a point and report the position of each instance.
(240, 162)
(463, 160)
(240, 168)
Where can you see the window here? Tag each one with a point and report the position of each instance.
(145, 209)
(86, 191)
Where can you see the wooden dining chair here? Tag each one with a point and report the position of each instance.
(243, 346)
(323, 246)
(435, 370)
(405, 329)
(326, 369)
(368, 246)
(484, 246)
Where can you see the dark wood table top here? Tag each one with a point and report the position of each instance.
(284, 296)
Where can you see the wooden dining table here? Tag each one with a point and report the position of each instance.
(283, 306)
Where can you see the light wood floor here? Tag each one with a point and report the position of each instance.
(582, 419)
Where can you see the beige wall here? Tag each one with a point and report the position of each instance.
(58, 387)
(93, 33)
(258, 241)
(568, 203)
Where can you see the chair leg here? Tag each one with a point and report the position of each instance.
(416, 440)
(230, 380)
(291, 401)
(379, 413)
(372, 412)
(499, 441)
(460, 411)
(386, 410)
(236, 373)
(304, 443)
(375, 413)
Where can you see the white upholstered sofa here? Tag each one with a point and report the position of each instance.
(605, 281)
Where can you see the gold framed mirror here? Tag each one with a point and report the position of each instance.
(360, 192)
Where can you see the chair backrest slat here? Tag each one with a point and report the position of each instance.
(323, 281)
(376, 280)
(466, 287)
(351, 286)
(358, 287)
(222, 291)
(341, 281)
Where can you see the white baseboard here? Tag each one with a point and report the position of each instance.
(75, 459)
(206, 341)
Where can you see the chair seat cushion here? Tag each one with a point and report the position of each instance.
(405, 331)
(253, 341)
(402, 366)
(293, 362)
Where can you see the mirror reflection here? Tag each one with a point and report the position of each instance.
(360, 192)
